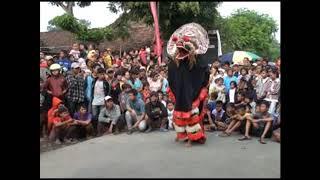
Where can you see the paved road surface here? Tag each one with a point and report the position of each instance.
(157, 155)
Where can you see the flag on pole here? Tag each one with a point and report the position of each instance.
(157, 47)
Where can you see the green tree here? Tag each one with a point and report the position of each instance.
(171, 14)
(67, 6)
(249, 30)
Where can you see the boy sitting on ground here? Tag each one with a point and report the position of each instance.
(261, 122)
(62, 127)
(82, 121)
(170, 109)
(235, 121)
(217, 118)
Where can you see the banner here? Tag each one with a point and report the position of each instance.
(158, 46)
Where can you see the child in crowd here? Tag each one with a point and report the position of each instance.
(170, 109)
(261, 123)
(220, 89)
(160, 94)
(236, 121)
(62, 127)
(212, 101)
(45, 103)
(75, 52)
(240, 99)
(146, 91)
(217, 117)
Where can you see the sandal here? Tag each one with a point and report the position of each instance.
(224, 134)
(244, 138)
(262, 142)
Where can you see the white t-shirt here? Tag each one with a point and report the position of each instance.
(98, 94)
(75, 53)
(231, 95)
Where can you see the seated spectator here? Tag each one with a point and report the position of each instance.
(235, 121)
(249, 101)
(170, 109)
(240, 99)
(215, 115)
(157, 115)
(212, 101)
(261, 124)
(109, 116)
(56, 102)
(62, 127)
(45, 103)
(82, 120)
(135, 111)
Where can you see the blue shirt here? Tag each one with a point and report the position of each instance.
(165, 85)
(227, 81)
(65, 63)
(88, 90)
(137, 105)
(137, 85)
(85, 117)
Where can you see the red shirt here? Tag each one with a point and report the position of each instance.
(56, 85)
(57, 120)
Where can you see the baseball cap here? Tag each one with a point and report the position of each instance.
(107, 98)
(48, 57)
(75, 65)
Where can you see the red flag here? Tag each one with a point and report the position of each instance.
(158, 47)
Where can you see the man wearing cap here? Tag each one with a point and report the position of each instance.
(56, 85)
(157, 115)
(109, 116)
(75, 95)
(108, 58)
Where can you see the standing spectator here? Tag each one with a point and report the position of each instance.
(100, 91)
(142, 75)
(75, 52)
(75, 95)
(165, 82)
(83, 51)
(108, 59)
(135, 82)
(235, 69)
(273, 91)
(63, 60)
(228, 79)
(41, 55)
(135, 111)
(82, 120)
(146, 91)
(91, 47)
(246, 62)
(109, 116)
(154, 82)
(244, 74)
(157, 115)
(232, 93)
(143, 56)
(220, 89)
(214, 74)
(264, 62)
(44, 70)
(124, 96)
(116, 87)
(88, 86)
(261, 86)
(56, 85)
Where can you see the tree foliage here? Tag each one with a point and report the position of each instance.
(67, 6)
(80, 28)
(172, 15)
(248, 30)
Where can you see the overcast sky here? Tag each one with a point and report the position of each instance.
(99, 16)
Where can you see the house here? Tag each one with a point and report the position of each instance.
(140, 35)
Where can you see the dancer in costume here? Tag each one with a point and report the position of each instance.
(188, 76)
